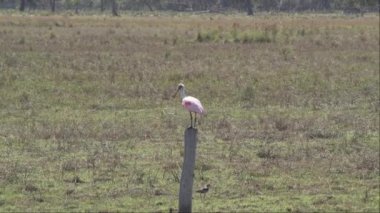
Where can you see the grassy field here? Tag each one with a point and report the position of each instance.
(87, 122)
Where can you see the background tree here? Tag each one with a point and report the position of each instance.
(248, 5)
(114, 8)
(77, 6)
(148, 3)
(102, 6)
(22, 5)
(268, 5)
(52, 5)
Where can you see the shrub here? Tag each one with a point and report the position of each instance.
(208, 36)
(235, 36)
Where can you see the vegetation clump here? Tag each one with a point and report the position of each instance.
(237, 36)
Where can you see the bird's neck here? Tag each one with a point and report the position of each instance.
(182, 93)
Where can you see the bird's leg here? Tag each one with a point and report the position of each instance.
(195, 119)
(191, 120)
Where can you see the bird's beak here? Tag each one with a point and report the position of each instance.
(173, 96)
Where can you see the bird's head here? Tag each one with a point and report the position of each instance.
(180, 87)
(208, 185)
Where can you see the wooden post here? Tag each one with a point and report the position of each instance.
(186, 185)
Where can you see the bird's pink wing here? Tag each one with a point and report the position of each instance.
(192, 104)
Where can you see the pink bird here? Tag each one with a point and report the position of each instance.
(190, 103)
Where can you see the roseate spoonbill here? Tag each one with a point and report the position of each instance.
(204, 190)
(190, 103)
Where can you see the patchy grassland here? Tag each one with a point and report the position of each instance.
(87, 122)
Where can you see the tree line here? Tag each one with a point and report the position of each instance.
(249, 6)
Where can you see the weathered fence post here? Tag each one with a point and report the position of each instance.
(186, 185)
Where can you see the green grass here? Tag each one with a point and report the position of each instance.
(87, 122)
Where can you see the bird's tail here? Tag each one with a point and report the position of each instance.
(204, 113)
(202, 117)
